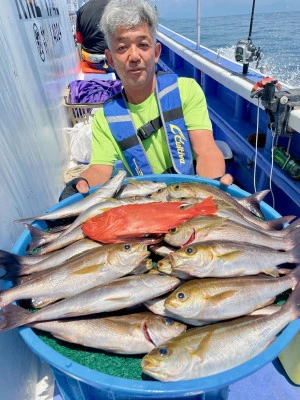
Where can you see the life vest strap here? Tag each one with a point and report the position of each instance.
(146, 130)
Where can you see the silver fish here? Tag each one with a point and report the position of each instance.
(199, 190)
(126, 334)
(95, 267)
(216, 299)
(157, 306)
(211, 349)
(227, 258)
(108, 189)
(139, 188)
(117, 295)
(62, 241)
(200, 229)
(52, 260)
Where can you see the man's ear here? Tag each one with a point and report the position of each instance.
(109, 58)
(157, 51)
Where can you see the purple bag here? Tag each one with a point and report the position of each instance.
(93, 91)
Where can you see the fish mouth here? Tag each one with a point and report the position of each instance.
(147, 334)
(191, 239)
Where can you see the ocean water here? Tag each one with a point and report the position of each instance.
(277, 34)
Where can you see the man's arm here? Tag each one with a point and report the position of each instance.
(210, 161)
(95, 175)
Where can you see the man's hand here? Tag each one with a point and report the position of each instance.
(226, 180)
(71, 188)
(82, 186)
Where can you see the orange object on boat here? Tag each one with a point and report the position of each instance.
(135, 221)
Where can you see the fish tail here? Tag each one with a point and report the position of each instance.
(254, 201)
(292, 226)
(295, 274)
(294, 238)
(278, 223)
(38, 237)
(12, 317)
(10, 263)
(206, 207)
(293, 302)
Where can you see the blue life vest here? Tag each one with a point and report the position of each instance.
(171, 118)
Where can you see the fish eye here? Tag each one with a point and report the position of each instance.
(173, 230)
(180, 296)
(159, 190)
(169, 321)
(189, 250)
(176, 187)
(127, 246)
(163, 351)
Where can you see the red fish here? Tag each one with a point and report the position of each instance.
(143, 220)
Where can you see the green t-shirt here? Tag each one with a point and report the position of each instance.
(106, 150)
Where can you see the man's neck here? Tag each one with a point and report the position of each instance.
(139, 94)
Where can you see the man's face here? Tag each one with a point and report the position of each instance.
(133, 54)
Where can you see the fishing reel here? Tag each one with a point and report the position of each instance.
(246, 52)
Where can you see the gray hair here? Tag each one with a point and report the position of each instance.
(127, 14)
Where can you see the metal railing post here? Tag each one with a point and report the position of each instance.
(198, 24)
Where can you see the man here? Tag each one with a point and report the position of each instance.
(175, 109)
(89, 35)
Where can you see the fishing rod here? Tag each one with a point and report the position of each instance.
(245, 51)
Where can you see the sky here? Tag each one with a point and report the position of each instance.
(173, 9)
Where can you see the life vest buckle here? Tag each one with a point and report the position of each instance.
(145, 131)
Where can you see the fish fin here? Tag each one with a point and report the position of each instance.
(87, 270)
(296, 273)
(205, 207)
(293, 302)
(61, 336)
(294, 237)
(40, 302)
(231, 255)
(252, 202)
(12, 317)
(272, 271)
(38, 237)
(203, 347)
(118, 298)
(218, 298)
(278, 223)
(9, 263)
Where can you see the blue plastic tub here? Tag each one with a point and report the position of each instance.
(77, 382)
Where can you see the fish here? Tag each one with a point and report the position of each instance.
(145, 266)
(136, 333)
(199, 190)
(16, 268)
(40, 237)
(215, 299)
(204, 228)
(165, 266)
(223, 200)
(139, 188)
(211, 349)
(108, 189)
(157, 306)
(228, 259)
(92, 268)
(162, 249)
(117, 295)
(99, 208)
(142, 220)
(63, 241)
